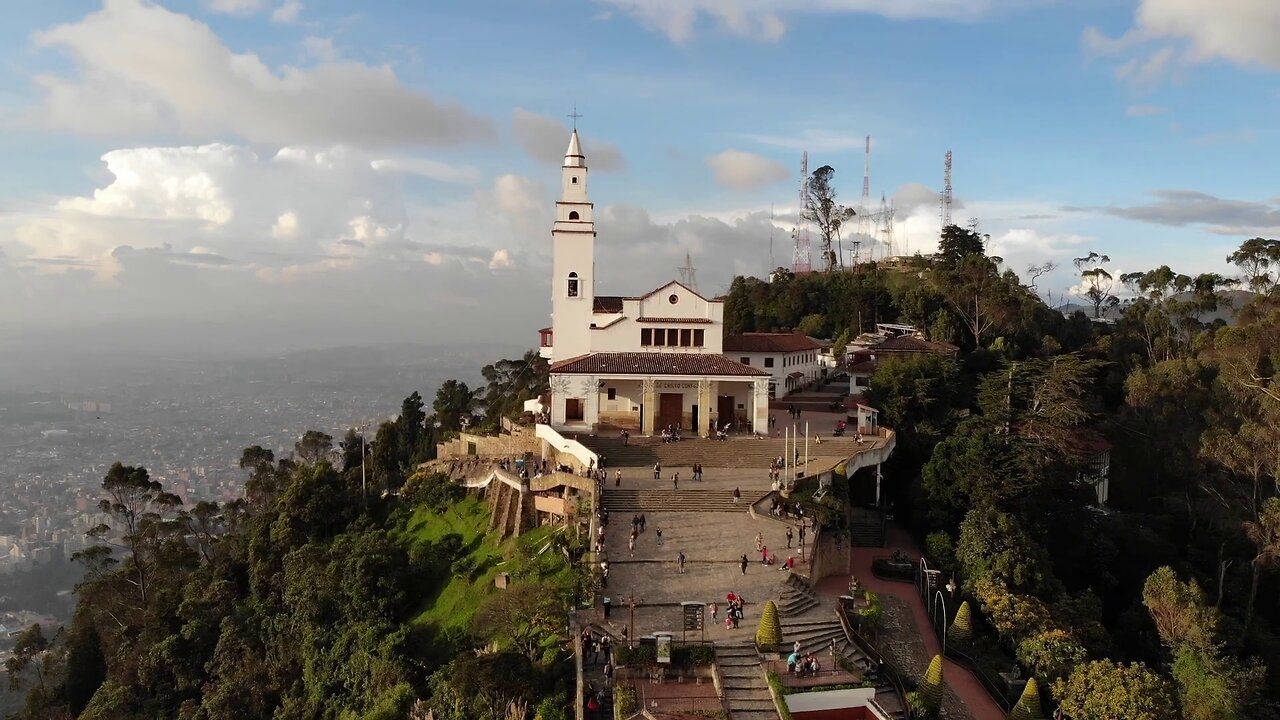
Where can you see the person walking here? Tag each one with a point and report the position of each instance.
(744, 564)
(657, 471)
(680, 561)
(801, 534)
(737, 495)
(759, 541)
(658, 531)
(789, 536)
(631, 545)
(642, 522)
(715, 609)
(608, 674)
(675, 481)
(617, 478)
(764, 555)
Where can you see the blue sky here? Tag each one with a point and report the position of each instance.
(276, 163)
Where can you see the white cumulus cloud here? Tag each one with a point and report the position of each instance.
(143, 68)
(288, 12)
(236, 7)
(741, 170)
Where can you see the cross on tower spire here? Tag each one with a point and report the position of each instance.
(575, 116)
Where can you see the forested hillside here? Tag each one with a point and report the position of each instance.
(1180, 571)
(315, 596)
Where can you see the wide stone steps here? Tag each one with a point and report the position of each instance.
(866, 535)
(745, 687)
(816, 636)
(622, 500)
(737, 452)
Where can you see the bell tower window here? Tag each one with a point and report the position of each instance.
(572, 287)
(574, 179)
(573, 214)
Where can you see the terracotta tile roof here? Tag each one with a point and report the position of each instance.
(769, 343)
(695, 321)
(909, 344)
(653, 363)
(607, 304)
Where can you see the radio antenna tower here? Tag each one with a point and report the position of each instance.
(864, 212)
(688, 275)
(946, 192)
(802, 258)
(886, 226)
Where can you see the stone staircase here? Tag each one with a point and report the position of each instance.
(796, 597)
(736, 452)
(866, 534)
(624, 500)
(745, 686)
(815, 636)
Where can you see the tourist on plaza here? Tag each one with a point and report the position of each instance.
(642, 522)
(626, 437)
(764, 555)
(737, 495)
(631, 545)
(617, 478)
(606, 648)
(675, 480)
(658, 531)
(608, 674)
(715, 610)
(680, 561)
(657, 471)
(789, 536)
(744, 564)
(759, 541)
(801, 534)
(796, 648)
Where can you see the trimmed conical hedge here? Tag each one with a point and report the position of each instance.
(1028, 707)
(929, 692)
(769, 634)
(961, 630)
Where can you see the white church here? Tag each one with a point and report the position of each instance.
(640, 363)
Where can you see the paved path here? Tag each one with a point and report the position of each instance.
(960, 680)
(713, 544)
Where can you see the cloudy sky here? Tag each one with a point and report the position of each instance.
(271, 174)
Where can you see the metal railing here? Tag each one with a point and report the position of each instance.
(890, 672)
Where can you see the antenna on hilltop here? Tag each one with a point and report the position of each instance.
(772, 263)
(946, 192)
(864, 212)
(688, 275)
(802, 256)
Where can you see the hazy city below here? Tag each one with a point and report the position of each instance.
(186, 420)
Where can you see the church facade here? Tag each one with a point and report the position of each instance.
(636, 363)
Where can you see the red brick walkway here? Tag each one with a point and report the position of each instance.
(965, 685)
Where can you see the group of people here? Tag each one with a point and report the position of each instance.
(672, 433)
(732, 613)
(802, 666)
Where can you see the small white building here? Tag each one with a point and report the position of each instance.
(791, 359)
(637, 363)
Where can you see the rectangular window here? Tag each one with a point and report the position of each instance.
(659, 337)
(613, 393)
(646, 337)
(745, 360)
(698, 336)
(768, 362)
(686, 337)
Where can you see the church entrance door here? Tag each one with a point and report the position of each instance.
(670, 409)
(724, 410)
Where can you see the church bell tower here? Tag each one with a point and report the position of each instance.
(573, 243)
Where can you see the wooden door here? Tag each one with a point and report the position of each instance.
(573, 409)
(725, 413)
(670, 409)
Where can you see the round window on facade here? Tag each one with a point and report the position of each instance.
(673, 299)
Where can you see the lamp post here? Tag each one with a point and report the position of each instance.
(941, 598)
(631, 622)
(952, 587)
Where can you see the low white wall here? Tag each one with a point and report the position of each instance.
(547, 434)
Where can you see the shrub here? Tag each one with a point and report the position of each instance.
(624, 701)
(961, 630)
(1014, 617)
(939, 548)
(637, 656)
(1028, 707)
(769, 634)
(927, 698)
(1052, 653)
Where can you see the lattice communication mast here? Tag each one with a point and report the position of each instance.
(802, 258)
(946, 191)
